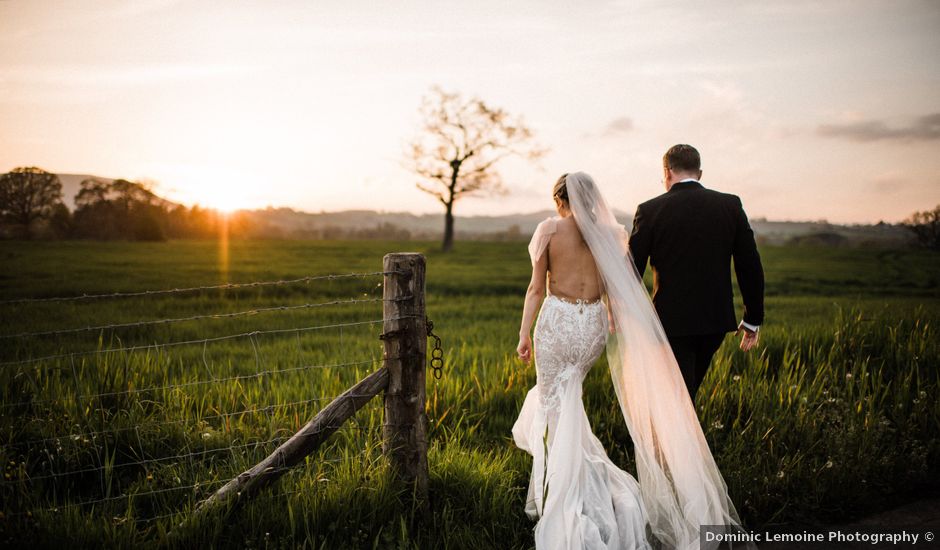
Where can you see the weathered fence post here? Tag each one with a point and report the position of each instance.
(405, 335)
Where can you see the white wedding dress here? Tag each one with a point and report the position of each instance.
(579, 497)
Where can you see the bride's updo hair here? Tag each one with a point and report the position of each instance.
(561, 190)
(586, 192)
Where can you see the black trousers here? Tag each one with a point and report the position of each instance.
(694, 355)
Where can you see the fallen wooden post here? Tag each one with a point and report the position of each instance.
(295, 449)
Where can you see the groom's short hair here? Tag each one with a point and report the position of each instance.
(682, 158)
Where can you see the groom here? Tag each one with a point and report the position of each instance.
(690, 235)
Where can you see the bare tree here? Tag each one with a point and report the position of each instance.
(28, 194)
(926, 226)
(461, 141)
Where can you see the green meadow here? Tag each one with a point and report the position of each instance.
(116, 435)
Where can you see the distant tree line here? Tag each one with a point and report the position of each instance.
(31, 207)
(926, 227)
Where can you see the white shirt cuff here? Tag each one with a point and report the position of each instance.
(750, 327)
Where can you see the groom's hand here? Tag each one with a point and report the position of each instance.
(750, 338)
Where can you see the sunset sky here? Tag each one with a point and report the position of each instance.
(806, 109)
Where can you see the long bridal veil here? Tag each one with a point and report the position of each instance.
(680, 484)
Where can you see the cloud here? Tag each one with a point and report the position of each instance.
(923, 129)
(727, 92)
(615, 128)
(890, 182)
(618, 126)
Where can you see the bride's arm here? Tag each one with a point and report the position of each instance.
(611, 325)
(606, 298)
(533, 299)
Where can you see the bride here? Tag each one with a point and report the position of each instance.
(595, 297)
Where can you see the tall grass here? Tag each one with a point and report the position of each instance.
(836, 415)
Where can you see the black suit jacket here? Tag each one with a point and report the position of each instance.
(690, 235)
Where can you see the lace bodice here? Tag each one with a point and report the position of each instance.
(569, 338)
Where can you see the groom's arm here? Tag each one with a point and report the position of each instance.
(640, 241)
(748, 268)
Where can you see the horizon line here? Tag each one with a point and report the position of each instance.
(145, 180)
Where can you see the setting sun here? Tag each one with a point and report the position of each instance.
(223, 203)
(210, 188)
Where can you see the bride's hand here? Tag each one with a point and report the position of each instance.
(524, 349)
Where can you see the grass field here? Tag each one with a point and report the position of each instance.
(836, 416)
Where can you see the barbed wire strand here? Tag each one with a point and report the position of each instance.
(199, 341)
(256, 374)
(228, 286)
(76, 436)
(179, 457)
(272, 495)
(194, 486)
(199, 317)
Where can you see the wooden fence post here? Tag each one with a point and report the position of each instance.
(405, 335)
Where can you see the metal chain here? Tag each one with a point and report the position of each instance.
(437, 354)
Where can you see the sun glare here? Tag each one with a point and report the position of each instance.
(224, 204)
(226, 193)
(225, 197)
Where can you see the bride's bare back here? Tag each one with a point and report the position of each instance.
(572, 273)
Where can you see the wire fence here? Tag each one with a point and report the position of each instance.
(125, 414)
